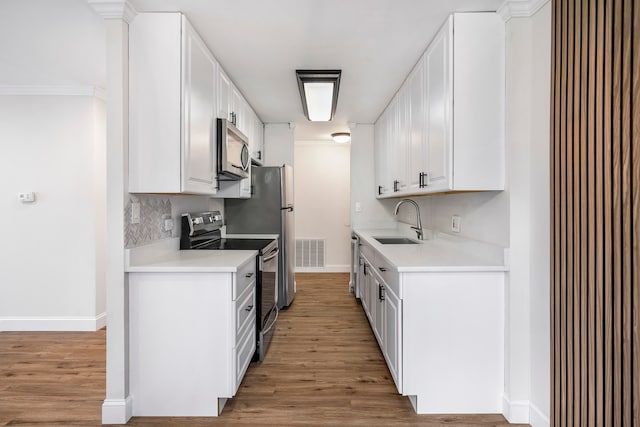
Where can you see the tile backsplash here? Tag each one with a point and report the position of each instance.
(153, 211)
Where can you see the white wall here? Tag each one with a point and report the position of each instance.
(372, 212)
(53, 146)
(53, 131)
(44, 42)
(278, 144)
(483, 215)
(321, 178)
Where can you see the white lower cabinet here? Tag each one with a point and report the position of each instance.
(441, 334)
(191, 337)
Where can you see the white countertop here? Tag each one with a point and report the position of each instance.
(438, 252)
(165, 257)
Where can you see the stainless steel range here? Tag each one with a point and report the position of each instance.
(202, 231)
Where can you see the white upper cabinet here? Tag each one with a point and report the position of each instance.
(448, 117)
(199, 100)
(176, 91)
(438, 100)
(225, 96)
(417, 155)
(172, 107)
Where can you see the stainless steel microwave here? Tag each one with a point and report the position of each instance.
(233, 152)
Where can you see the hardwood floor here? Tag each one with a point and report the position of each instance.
(324, 367)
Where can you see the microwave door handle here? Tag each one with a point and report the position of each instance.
(244, 157)
(272, 255)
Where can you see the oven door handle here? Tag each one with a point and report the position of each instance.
(268, 328)
(271, 256)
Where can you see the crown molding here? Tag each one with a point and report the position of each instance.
(54, 90)
(520, 8)
(114, 9)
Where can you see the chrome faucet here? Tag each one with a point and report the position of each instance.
(418, 226)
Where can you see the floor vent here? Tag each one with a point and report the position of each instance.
(310, 252)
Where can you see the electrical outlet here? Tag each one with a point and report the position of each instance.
(455, 223)
(135, 213)
(167, 223)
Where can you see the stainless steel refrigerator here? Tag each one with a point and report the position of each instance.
(269, 211)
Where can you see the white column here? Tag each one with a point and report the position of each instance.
(528, 30)
(116, 408)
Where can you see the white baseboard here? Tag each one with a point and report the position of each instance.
(325, 269)
(515, 411)
(53, 323)
(117, 411)
(537, 417)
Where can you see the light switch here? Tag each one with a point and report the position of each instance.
(135, 213)
(358, 207)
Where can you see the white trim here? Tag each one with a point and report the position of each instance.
(537, 417)
(114, 9)
(100, 93)
(520, 8)
(54, 90)
(101, 320)
(53, 323)
(325, 269)
(117, 411)
(517, 411)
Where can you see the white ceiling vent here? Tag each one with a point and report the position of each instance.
(310, 252)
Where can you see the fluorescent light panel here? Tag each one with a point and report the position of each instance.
(319, 93)
(319, 97)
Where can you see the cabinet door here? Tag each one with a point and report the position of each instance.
(391, 152)
(393, 335)
(364, 286)
(259, 141)
(439, 110)
(198, 150)
(378, 304)
(380, 155)
(224, 95)
(238, 107)
(417, 123)
(401, 150)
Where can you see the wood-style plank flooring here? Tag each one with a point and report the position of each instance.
(324, 368)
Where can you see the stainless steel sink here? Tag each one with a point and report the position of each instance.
(396, 241)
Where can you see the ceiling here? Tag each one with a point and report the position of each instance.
(260, 44)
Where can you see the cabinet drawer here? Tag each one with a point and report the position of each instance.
(367, 252)
(243, 353)
(244, 277)
(245, 310)
(389, 274)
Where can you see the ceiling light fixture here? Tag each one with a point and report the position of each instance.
(341, 137)
(319, 93)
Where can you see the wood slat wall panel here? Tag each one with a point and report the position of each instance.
(595, 206)
(635, 182)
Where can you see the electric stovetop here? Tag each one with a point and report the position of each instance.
(238, 244)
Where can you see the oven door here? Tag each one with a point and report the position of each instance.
(269, 292)
(268, 301)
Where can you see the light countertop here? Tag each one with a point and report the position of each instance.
(439, 252)
(165, 257)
